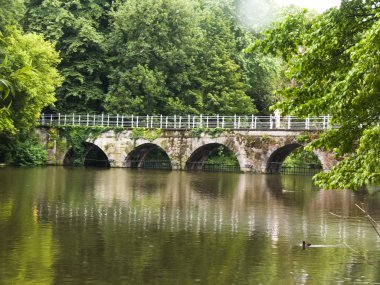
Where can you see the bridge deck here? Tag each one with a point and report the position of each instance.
(248, 122)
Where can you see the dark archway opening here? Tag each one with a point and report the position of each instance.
(293, 159)
(213, 157)
(148, 156)
(88, 154)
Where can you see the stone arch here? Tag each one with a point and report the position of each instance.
(202, 153)
(137, 157)
(278, 156)
(92, 156)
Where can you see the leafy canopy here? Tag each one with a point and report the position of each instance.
(78, 29)
(176, 56)
(28, 79)
(152, 57)
(333, 68)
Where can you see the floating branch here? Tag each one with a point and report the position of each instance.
(374, 224)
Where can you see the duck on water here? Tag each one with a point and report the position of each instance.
(305, 244)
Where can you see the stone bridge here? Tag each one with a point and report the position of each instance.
(260, 151)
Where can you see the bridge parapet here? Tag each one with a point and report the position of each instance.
(244, 122)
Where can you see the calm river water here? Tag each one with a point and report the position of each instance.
(117, 226)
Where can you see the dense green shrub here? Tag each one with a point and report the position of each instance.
(22, 151)
(302, 157)
(148, 134)
(223, 156)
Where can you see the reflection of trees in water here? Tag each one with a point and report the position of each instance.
(177, 201)
(280, 183)
(213, 184)
(142, 217)
(94, 218)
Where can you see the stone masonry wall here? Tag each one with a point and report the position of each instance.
(253, 149)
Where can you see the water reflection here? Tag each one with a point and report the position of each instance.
(280, 206)
(62, 225)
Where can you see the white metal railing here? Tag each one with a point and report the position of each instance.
(249, 122)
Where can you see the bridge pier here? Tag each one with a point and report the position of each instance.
(328, 159)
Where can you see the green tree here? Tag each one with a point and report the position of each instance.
(29, 79)
(11, 12)
(334, 70)
(285, 38)
(260, 72)
(156, 57)
(176, 56)
(226, 69)
(153, 47)
(77, 27)
(221, 75)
